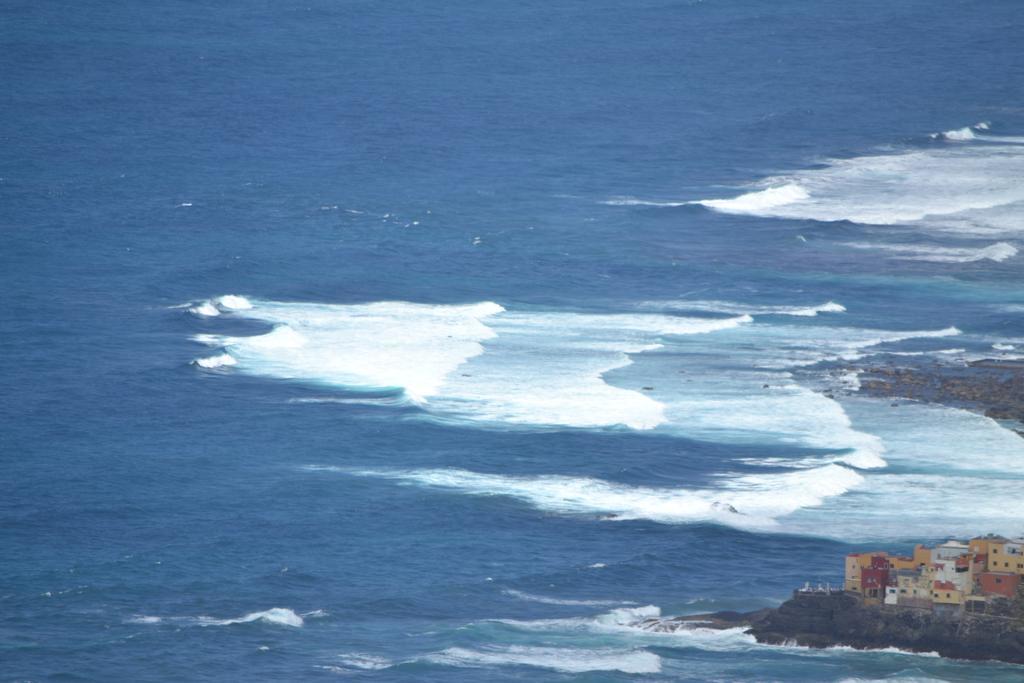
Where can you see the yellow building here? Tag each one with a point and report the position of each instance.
(946, 593)
(851, 579)
(898, 563)
(922, 555)
(913, 588)
(1006, 556)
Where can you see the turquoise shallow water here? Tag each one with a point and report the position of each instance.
(399, 342)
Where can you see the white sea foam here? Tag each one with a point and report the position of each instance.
(999, 251)
(479, 364)
(364, 662)
(644, 626)
(205, 309)
(541, 368)
(1003, 347)
(640, 626)
(633, 201)
(734, 308)
(963, 472)
(543, 599)
(726, 380)
(748, 501)
(564, 659)
(388, 345)
(969, 188)
(760, 201)
(278, 616)
(219, 361)
(233, 302)
(959, 134)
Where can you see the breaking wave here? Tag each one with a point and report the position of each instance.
(999, 251)
(733, 308)
(213, 307)
(970, 188)
(543, 599)
(633, 201)
(759, 201)
(747, 502)
(278, 616)
(222, 360)
(563, 659)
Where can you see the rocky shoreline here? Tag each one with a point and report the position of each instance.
(994, 387)
(820, 620)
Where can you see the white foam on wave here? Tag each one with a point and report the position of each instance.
(205, 309)
(760, 201)
(734, 308)
(219, 361)
(363, 662)
(894, 679)
(386, 345)
(1003, 347)
(233, 302)
(961, 470)
(968, 188)
(479, 364)
(540, 369)
(549, 369)
(563, 659)
(726, 380)
(958, 134)
(640, 626)
(279, 616)
(747, 501)
(1000, 251)
(545, 600)
(737, 388)
(633, 201)
(645, 626)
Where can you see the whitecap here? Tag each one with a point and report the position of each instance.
(364, 662)
(633, 201)
(563, 659)
(205, 309)
(543, 599)
(279, 616)
(760, 201)
(734, 308)
(967, 188)
(997, 252)
(233, 302)
(223, 360)
(748, 501)
(959, 134)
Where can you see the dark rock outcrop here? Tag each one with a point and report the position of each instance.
(822, 620)
(993, 387)
(825, 620)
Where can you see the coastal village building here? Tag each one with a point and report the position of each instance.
(951, 576)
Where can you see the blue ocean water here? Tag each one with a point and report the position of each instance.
(403, 342)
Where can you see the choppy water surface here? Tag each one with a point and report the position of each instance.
(413, 343)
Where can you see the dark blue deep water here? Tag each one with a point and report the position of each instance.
(392, 341)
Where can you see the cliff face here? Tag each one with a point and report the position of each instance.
(824, 620)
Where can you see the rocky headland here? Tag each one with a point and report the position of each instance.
(994, 387)
(823, 619)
